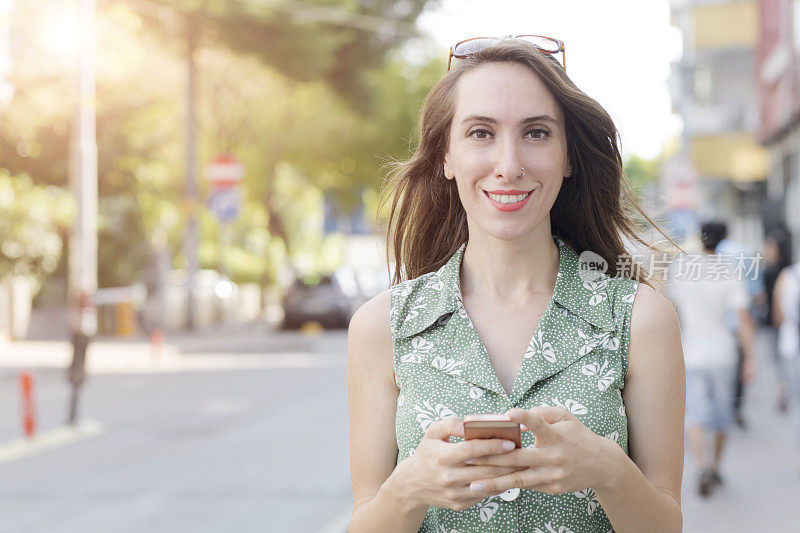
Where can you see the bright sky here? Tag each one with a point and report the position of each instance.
(618, 52)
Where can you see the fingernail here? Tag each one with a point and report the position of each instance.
(470, 461)
(508, 445)
(476, 487)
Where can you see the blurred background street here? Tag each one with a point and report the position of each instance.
(190, 214)
(245, 431)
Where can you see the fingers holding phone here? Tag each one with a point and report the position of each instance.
(437, 473)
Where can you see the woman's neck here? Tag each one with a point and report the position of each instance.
(509, 270)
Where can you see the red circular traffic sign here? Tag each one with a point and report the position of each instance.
(224, 171)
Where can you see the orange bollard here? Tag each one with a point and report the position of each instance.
(156, 343)
(28, 413)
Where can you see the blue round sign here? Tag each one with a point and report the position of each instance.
(225, 203)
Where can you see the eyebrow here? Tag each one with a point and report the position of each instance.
(524, 121)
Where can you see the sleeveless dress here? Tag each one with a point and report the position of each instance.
(577, 359)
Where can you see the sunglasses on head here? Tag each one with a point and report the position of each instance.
(468, 47)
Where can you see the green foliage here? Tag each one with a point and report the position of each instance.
(642, 171)
(32, 220)
(310, 110)
(333, 41)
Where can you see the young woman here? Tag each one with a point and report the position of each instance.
(516, 173)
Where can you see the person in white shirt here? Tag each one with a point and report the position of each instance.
(786, 315)
(704, 290)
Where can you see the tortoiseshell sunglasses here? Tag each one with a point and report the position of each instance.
(468, 47)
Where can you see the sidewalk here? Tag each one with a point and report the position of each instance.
(249, 346)
(239, 346)
(760, 468)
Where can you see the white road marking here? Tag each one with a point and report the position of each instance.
(50, 440)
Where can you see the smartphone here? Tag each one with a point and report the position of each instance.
(492, 427)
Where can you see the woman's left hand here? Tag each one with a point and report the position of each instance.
(566, 456)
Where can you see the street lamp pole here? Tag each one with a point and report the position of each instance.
(191, 235)
(83, 183)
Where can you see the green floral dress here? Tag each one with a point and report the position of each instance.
(577, 359)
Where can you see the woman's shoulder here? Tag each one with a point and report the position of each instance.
(371, 319)
(652, 305)
(369, 337)
(653, 317)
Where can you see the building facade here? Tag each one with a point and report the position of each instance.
(779, 118)
(713, 88)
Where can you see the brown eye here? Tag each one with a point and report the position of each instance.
(538, 133)
(479, 134)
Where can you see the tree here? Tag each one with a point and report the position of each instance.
(298, 140)
(333, 41)
(642, 171)
(32, 221)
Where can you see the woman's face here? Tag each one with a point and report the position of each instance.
(505, 119)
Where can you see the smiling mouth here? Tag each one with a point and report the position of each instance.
(508, 198)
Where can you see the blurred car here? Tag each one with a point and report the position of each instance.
(214, 298)
(324, 301)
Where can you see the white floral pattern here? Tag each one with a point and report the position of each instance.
(428, 414)
(592, 503)
(597, 289)
(605, 374)
(447, 365)
(475, 392)
(539, 347)
(607, 340)
(628, 298)
(421, 349)
(488, 508)
(570, 405)
(414, 311)
(435, 283)
(590, 342)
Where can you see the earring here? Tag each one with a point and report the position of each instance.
(523, 171)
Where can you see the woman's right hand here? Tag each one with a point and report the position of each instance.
(436, 474)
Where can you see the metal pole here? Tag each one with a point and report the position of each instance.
(191, 194)
(83, 183)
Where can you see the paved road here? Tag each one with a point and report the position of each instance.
(260, 448)
(247, 431)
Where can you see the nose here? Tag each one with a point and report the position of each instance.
(508, 165)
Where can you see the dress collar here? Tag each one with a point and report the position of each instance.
(588, 300)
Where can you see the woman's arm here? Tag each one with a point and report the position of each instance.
(389, 498)
(372, 395)
(645, 493)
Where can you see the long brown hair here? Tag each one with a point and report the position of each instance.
(594, 209)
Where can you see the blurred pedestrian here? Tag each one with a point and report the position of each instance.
(777, 256)
(517, 173)
(746, 262)
(786, 315)
(704, 291)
